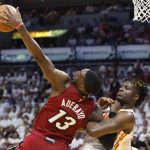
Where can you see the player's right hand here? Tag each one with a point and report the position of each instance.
(11, 19)
(105, 102)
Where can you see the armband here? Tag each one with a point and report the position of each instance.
(112, 114)
(18, 26)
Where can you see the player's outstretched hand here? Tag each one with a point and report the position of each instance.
(11, 19)
(105, 102)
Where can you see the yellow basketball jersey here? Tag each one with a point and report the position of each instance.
(123, 140)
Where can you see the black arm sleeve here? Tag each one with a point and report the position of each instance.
(112, 114)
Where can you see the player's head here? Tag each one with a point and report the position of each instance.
(87, 81)
(132, 92)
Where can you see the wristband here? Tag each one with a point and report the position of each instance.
(112, 114)
(18, 26)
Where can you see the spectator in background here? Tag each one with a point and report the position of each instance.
(138, 69)
(71, 12)
(5, 121)
(135, 141)
(144, 134)
(72, 41)
(147, 141)
(114, 87)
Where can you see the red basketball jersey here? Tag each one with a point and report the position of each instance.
(63, 115)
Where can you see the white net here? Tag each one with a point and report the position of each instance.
(142, 10)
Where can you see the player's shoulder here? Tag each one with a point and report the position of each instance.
(126, 119)
(126, 115)
(126, 112)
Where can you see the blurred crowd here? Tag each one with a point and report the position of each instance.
(102, 30)
(24, 90)
(109, 34)
(97, 34)
(49, 16)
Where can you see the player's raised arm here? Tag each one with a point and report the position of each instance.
(122, 121)
(56, 77)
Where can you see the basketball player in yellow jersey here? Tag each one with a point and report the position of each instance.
(131, 94)
(91, 143)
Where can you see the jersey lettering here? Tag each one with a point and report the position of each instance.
(62, 126)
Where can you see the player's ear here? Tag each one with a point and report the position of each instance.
(136, 97)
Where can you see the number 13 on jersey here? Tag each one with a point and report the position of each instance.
(65, 125)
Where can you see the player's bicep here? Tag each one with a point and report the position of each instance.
(55, 77)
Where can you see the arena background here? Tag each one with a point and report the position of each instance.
(74, 34)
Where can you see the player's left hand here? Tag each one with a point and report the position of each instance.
(105, 102)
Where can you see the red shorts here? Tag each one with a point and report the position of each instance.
(36, 141)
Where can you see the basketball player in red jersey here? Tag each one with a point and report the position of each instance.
(69, 106)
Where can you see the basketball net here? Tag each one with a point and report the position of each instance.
(141, 10)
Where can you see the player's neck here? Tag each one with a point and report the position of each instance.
(125, 106)
(83, 95)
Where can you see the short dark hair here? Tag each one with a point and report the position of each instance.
(141, 88)
(92, 82)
